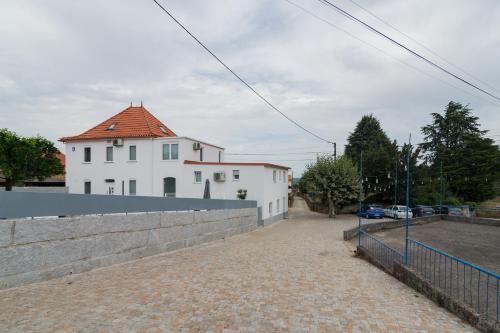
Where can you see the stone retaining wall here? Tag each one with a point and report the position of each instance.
(34, 250)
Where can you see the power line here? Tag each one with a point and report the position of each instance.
(278, 154)
(372, 29)
(385, 53)
(239, 77)
(279, 160)
(421, 44)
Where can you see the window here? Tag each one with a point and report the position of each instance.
(274, 176)
(166, 151)
(236, 175)
(220, 156)
(170, 151)
(201, 154)
(175, 151)
(270, 208)
(87, 187)
(284, 176)
(87, 154)
(132, 153)
(284, 204)
(279, 175)
(132, 187)
(197, 177)
(109, 154)
(277, 205)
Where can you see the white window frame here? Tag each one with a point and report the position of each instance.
(112, 154)
(90, 154)
(236, 173)
(169, 144)
(201, 176)
(135, 184)
(90, 186)
(130, 151)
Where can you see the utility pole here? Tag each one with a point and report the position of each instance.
(407, 220)
(335, 151)
(360, 196)
(396, 181)
(441, 188)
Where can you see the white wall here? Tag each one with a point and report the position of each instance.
(121, 169)
(257, 180)
(150, 169)
(274, 191)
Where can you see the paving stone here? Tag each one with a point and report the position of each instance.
(294, 276)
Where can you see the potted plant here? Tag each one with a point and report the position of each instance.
(242, 194)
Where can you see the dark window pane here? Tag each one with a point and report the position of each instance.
(132, 153)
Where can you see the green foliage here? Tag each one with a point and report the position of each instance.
(336, 180)
(379, 156)
(23, 158)
(242, 194)
(471, 162)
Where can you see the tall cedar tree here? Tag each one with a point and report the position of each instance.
(24, 158)
(379, 157)
(471, 162)
(336, 180)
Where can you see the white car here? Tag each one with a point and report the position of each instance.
(398, 212)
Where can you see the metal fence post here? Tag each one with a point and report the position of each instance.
(360, 194)
(407, 222)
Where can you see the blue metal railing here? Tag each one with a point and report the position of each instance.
(379, 250)
(461, 280)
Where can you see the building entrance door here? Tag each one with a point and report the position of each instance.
(169, 187)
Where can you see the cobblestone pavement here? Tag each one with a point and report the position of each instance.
(295, 276)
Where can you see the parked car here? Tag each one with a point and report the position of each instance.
(371, 211)
(455, 211)
(441, 210)
(398, 212)
(449, 210)
(420, 210)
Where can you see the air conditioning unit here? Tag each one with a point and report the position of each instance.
(220, 176)
(196, 146)
(118, 142)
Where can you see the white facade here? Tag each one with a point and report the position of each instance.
(152, 173)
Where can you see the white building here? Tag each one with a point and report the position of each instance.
(133, 153)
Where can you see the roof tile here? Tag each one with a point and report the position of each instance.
(133, 122)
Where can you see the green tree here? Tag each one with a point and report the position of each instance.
(470, 161)
(23, 158)
(336, 180)
(379, 156)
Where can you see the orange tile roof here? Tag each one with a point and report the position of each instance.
(267, 165)
(62, 158)
(133, 122)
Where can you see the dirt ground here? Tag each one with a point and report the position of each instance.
(477, 244)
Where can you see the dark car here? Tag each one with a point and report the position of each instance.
(371, 211)
(420, 210)
(441, 210)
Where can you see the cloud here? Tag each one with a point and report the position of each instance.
(66, 66)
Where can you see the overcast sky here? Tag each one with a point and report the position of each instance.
(67, 65)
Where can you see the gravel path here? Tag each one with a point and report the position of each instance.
(295, 276)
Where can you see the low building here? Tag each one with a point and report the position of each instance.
(133, 153)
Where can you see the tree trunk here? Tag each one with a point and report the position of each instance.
(331, 207)
(8, 184)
